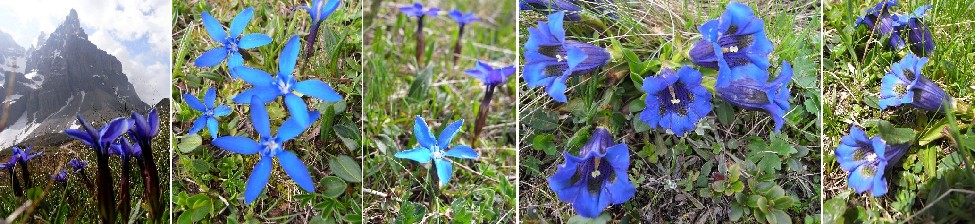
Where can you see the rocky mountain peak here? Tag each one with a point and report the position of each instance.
(71, 27)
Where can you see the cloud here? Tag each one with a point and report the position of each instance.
(137, 32)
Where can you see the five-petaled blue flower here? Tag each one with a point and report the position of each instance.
(269, 147)
(491, 76)
(551, 59)
(101, 140)
(24, 154)
(437, 149)
(675, 100)
(210, 112)
(77, 165)
(596, 178)
(905, 84)
(570, 7)
(918, 36)
(268, 88)
(416, 10)
(319, 10)
(866, 159)
(737, 37)
(748, 87)
(232, 43)
(880, 21)
(463, 19)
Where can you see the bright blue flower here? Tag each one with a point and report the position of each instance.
(675, 100)
(60, 177)
(918, 36)
(269, 147)
(77, 165)
(319, 10)
(905, 84)
(461, 18)
(126, 150)
(145, 128)
(737, 37)
(491, 76)
(268, 88)
(437, 150)
(551, 59)
(232, 43)
(880, 21)
(23, 154)
(210, 112)
(101, 140)
(570, 7)
(866, 159)
(416, 10)
(748, 87)
(595, 179)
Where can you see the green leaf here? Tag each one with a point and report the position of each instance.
(189, 143)
(420, 88)
(781, 217)
(349, 134)
(893, 135)
(542, 121)
(736, 212)
(334, 186)
(928, 157)
(344, 167)
(602, 219)
(545, 143)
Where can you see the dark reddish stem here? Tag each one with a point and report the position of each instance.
(310, 40)
(459, 44)
(482, 115)
(420, 48)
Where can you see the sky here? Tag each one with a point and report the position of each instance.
(137, 32)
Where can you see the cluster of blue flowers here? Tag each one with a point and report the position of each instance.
(550, 58)
(265, 88)
(573, 8)
(902, 30)
(417, 10)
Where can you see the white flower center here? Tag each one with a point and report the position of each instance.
(730, 49)
(437, 153)
(561, 58)
(871, 157)
(674, 99)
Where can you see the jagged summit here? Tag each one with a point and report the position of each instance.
(71, 26)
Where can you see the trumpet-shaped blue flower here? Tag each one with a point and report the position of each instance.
(462, 18)
(917, 34)
(551, 59)
(416, 10)
(675, 100)
(269, 147)
(737, 37)
(596, 178)
(437, 149)
(77, 165)
(905, 84)
(572, 10)
(231, 40)
(319, 10)
(60, 177)
(100, 140)
(491, 76)
(24, 154)
(747, 87)
(145, 128)
(866, 160)
(124, 149)
(210, 112)
(268, 88)
(882, 23)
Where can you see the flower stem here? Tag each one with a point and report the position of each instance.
(420, 49)
(434, 188)
(482, 115)
(310, 40)
(105, 190)
(125, 205)
(150, 180)
(13, 178)
(458, 45)
(28, 184)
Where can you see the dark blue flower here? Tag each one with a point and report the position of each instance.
(461, 18)
(547, 6)
(60, 177)
(595, 179)
(100, 140)
(23, 154)
(269, 147)
(210, 112)
(416, 10)
(917, 34)
(880, 21)
(551, 59)
(268, 88)
(491, 76)
(737, 37)
(124, 149)
(319, 10)
(866, 159)
(675, 100)
(77, 165)
(748, 87)
(145, 128)
(905, 84)
(437, 150)
(232, 43)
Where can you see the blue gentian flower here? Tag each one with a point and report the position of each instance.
(880, 21)
(737, 37)
(905, 84)
(232, 43)
(416, 10)
(551, 59)
(547, 6)
(437, 149)
(101, 141)
(145, 128)
(268, 88)
(9, 167)
(675, 100)
(491, 76)
(124, 149)
(318, 10)
(269, 147)
(210, 112)
(866, 159)
(77, 165)
(24, 154)
(60, 177)
(747, 87)
(596, 178)
(918, 36)
(462, 18)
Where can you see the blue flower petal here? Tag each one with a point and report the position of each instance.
(240, 21)
(258, 179)
(80, 135)
(210, 98)
(328, 9)
(153, 120)
(194, 103)
(289, 56)
(263, 93)
(222, 110)
(198, 125)
(113, 130)
(297, 108)
(292, 128)
(260, 118)
(213, 127)
(214, 29)
(211, 57)
(418, 154)
(445, 169)
(858, 181)
(254, 40)
(422, 133)
(237, 144)
(235, 60)
(253, 76)
(462, 152)
(448, 133)
(318, 89)
(296, 170)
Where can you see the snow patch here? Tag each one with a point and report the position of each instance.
(36, 80)
(12, 99)
(17, 132)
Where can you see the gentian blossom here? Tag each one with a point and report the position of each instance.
(23, 155)
(548, 6)
(416, 10)
(269, 147)
(737, 37)
(551, 59)
(230, 40)
(210, 112)
(866, 160)
(101, 141)
(268, 88)
(675, 100)
(595, 179)
(77, 165)
(918, 36)
(319, 10)
(748, 87)
(462, 20)
(9, 167)
(142, 130)
(905, 84)
(882, 23)
(125, 151)
(60, 177)
(437, 149)
(491, 78)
